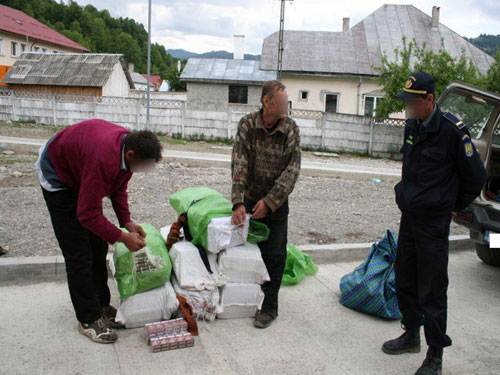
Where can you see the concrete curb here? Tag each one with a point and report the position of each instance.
(203, 159)
(46, 268)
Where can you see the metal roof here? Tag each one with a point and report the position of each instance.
(17, 22)
(357, 50)
(225, 71)
(65, 69)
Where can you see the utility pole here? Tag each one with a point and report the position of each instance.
(149, 65)
(280, 39)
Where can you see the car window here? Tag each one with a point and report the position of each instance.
(474, 113)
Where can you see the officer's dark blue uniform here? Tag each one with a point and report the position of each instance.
(442, 172)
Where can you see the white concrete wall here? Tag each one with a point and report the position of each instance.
(319, 131)
(117, 84)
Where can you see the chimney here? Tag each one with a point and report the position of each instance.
(130, 67)
(179, 66)
(239, 47)
(345, 24)
(435, 16)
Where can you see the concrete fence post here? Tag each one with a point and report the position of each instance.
(94, 106)
(137, 113)
(13, 116)
(54, 109)
(183, 120)
(323, 130)
(370, 139)
(229, 118)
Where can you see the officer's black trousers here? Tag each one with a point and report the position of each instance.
(422, 275)
(84, 254)
(273, 253)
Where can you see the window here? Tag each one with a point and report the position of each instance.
(303, 95)
(56, 52)
(13, 48)
(238, 94)
(37, 49)
(1, 46)
(44, 50)
(371, 103)
(331, 103)
(23, 47)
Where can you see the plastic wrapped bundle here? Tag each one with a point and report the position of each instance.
(222, 234)
(148, 268)
(243, 264)
(148, 307)
(202, 205)
(190, 270)
(205, 303)
(240, 300)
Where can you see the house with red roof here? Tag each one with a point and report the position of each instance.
(21, 33)
(156, 81)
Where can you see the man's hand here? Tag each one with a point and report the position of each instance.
(239, 215)
(133, 241)
(135, 228)
(260, 210)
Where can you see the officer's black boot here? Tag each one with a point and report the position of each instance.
(408, 342)
(433, 362)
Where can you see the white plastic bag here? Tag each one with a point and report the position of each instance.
(205, 303)
(243, 264)
(221, 234)
(190, 270)
(240, 300)
(148, 307)
(164, 231)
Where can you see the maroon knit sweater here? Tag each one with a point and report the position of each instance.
(87, 158)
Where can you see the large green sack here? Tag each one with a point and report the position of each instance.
(203, 204)
(298, 264)
(145, 269)
(182, 200)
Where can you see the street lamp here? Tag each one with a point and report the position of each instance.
(149, 66)
(280, 39)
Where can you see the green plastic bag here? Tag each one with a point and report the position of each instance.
(298, 264)
(145, 269)
(203, 204)
(257, 232)
(182, 200)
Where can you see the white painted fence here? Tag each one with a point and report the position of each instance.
(337, 132)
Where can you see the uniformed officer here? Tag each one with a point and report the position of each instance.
(442, 172)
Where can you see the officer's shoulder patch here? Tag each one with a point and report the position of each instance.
(469, 150)
(455, 120)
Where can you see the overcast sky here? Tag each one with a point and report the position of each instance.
(206, 25)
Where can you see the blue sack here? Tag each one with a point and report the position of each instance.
(371, 287)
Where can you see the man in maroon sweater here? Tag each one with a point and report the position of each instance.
(77, 168)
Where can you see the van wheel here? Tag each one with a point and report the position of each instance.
(487, 255)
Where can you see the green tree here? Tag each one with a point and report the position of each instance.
(412, 57)
(492, 81)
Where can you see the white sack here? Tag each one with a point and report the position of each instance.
(243, 264)
(148, 307)
(221, 234)
(240, 300)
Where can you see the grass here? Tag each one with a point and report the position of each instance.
(12, 159)
(30, 124)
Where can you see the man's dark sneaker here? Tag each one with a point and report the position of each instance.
(408, 342)
(263, 320)
(109, 315)
(98, 331)
(433, 363)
